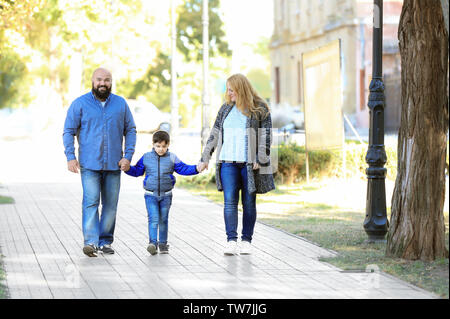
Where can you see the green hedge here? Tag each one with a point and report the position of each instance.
(292, 162)
(208, 177)
(322, 164)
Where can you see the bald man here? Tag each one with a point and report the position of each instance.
(100, 120)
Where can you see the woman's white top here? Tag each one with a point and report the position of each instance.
(234, 131)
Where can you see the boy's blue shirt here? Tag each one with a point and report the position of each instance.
(178, 166)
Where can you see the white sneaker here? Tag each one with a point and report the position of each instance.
(230, 248)
(246, 248)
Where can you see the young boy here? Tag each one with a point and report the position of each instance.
(158, 166)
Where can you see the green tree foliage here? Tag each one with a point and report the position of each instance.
(52, 30)
(261, 82)
(262, 47)
(153, 78)
(44, 31)
(38, 39)
(155, 84)
(190, 30)
(260, 77)
(12, 73)
(15, 16)
(40, 24)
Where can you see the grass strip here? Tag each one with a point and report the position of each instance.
(339, 229)
(6, 200)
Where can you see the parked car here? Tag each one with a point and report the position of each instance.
(148, 117)
(287, 117)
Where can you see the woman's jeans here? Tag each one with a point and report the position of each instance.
(234, 179)
(158, 217)
(105, 185)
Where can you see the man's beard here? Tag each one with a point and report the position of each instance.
(102, 95)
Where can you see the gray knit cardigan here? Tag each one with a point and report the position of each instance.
(257, 145)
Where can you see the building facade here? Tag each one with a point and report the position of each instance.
(301, 26)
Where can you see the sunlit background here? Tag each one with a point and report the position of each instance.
(50, 48)
(52, 51)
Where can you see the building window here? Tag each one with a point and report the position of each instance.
(362, 89)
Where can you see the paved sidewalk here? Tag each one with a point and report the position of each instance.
(41, 240)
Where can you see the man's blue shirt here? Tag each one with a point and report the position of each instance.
(100, 131)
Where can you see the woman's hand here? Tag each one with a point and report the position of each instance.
(201, 166)
(256, 166)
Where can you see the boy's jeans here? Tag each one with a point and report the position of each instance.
(99, 232)
(234, 178)
(158, 217)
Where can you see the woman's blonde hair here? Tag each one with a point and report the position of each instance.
(247, 100)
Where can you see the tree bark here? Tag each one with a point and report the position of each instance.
(417, 229)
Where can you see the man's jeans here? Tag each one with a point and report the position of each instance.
(158, 217)
(234, 178)
(105, 184)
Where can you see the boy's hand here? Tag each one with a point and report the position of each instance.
(124, 165)
(202, 166)
(73, 166)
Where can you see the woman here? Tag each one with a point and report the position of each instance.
(242, 135)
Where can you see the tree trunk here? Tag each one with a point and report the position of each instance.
(417, 229)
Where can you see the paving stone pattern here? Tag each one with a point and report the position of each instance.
(41, 241)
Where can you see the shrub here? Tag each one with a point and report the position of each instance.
(322, 164)
(200, 179)
(292, 162)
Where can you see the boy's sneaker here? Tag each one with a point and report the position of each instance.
(230, 248)
(107, 249)
(163, 248)
(152, 249)
(90, 250)
(246, 248)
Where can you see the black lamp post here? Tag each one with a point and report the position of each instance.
(376, 223)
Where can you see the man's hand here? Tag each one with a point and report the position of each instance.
(256, 166)
(202, 166)
(73, 166)
(124, 164)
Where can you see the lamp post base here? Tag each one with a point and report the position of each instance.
(376, 224)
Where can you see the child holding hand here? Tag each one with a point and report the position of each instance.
(158, 166)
